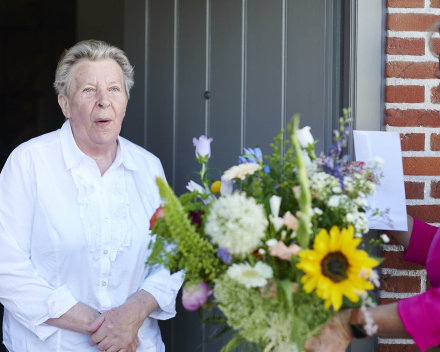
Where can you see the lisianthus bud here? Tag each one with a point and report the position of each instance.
(203, 146)
(305, 137)
(290, 221)
(195, 296)
(157, 215)
(280, 250)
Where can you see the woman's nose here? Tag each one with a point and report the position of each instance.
(103, 99)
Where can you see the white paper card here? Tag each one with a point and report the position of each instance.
(390, 194)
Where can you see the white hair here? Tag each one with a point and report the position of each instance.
(93, 50)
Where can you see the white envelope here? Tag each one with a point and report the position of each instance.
(390, 194)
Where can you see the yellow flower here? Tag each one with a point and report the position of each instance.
(215, 187)
(334, 267)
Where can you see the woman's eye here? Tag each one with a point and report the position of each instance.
(114, 89)
(88, 90)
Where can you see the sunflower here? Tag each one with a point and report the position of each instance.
(334, 267)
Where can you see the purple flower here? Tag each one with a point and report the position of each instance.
(203, 146)
(195, 296)
(224, 255)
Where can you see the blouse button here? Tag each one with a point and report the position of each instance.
(104, 283)
(105, 252)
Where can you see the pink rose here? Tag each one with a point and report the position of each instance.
(280, 250)
(195, 296)
(157, 215)
(290, 221)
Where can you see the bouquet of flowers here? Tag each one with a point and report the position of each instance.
(275, 241)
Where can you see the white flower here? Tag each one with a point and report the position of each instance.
(318, 211)
(275, 203)
(277, 222)
(271, 242)
(250, 276)
(241, 171)
(337, 189)
(193, 186)
(362, 202)
(350, 217)
(305, 137)
(334, 201)
(227, 187)
(236, 223)
(385, 238)
(262, 251)
(203, 146)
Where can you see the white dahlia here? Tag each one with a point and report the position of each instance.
(236, 223)
(250, 276)
(241, 171)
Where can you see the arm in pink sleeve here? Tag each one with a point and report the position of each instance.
(419, 315)
(421, 238)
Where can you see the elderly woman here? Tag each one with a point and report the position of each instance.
(416, 317)
(75, 206)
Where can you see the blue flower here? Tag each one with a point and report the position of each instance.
(224, 255)
(267, 169)
(251, 159)
(258, 155)
(242, 160)
(248, 151)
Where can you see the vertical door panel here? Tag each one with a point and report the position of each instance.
(225, 110)
(160, 83)
(188, 334)
(191, 87)
(225, 102)
(306, 31)
(264, 58)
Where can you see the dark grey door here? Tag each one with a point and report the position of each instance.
(235, 70)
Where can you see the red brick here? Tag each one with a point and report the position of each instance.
(383, 301)
(404, 94)
(421, 166)
(435, 43)
(435, 95)
(405, 46)
(414, 190)
(426, 213)
(435, 189)
(426, 118)
(400, 283)
(435, 3)
(406, 3)
(394, 260)
(396, 348)
(410, 21)
(412, 141)
(435, 141)
(402, 69)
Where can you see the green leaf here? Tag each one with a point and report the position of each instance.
(286, 285)
(216, 334)
(346, 303)
(233, 343)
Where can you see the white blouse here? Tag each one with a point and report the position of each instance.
(68, 235)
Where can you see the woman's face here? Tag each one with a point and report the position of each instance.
(96, 103)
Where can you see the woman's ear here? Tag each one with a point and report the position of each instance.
(64, 104)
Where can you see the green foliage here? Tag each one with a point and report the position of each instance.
(190, 252)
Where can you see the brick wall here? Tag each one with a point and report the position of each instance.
(412, 103)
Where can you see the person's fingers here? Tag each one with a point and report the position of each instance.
(97, 337)
(96, 324)
(105, 345)
(114, 349)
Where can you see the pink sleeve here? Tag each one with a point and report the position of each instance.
(421, 238)
(419, 315)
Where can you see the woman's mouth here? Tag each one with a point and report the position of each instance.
(103, 122)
